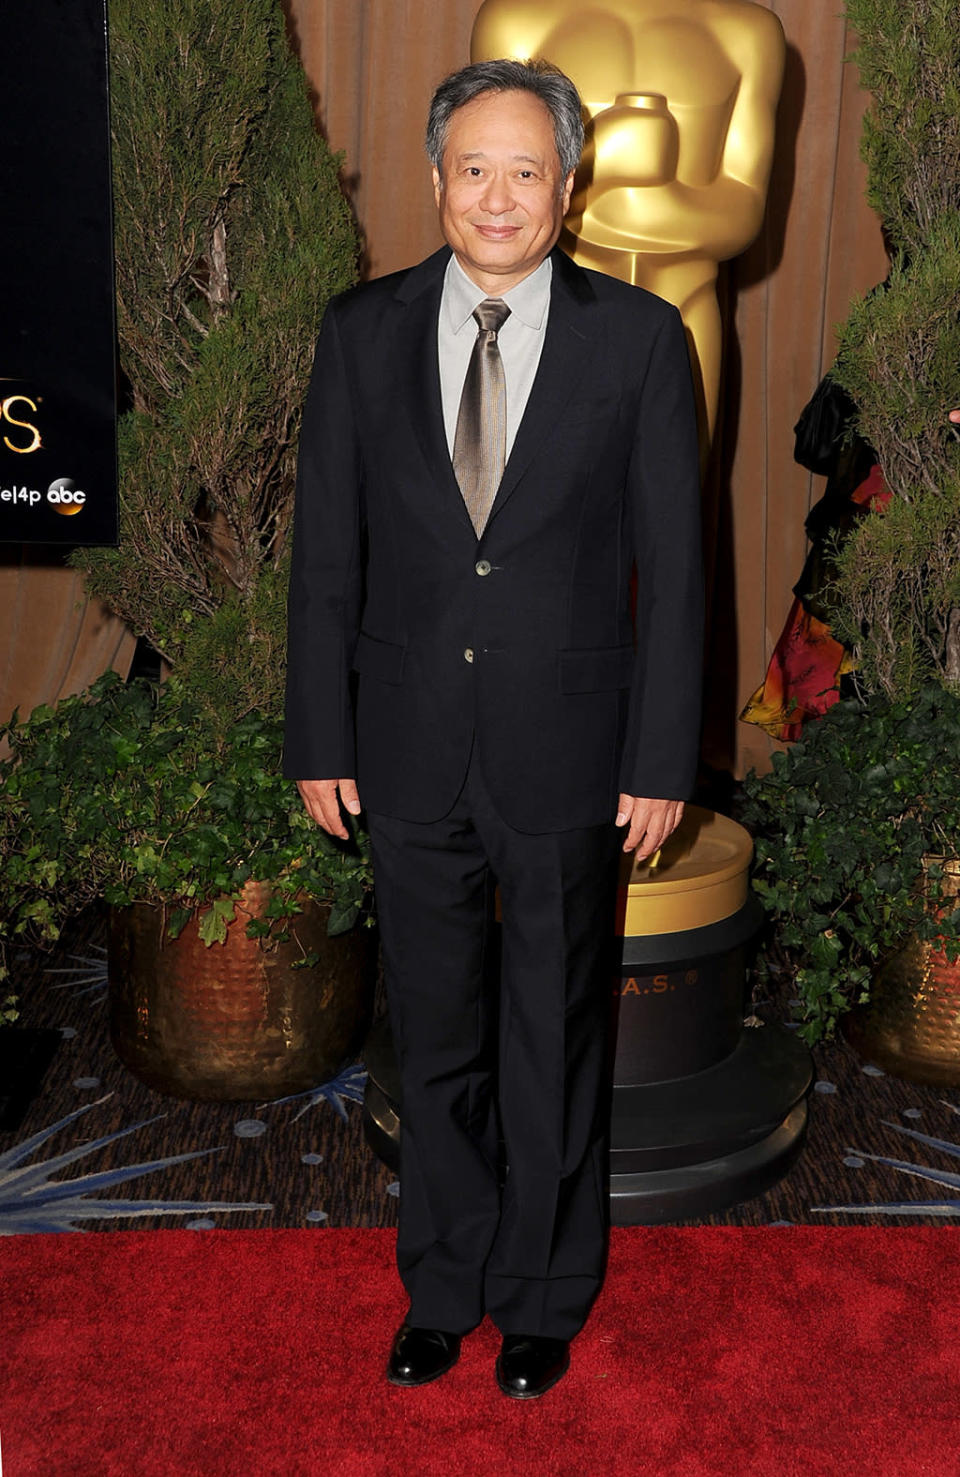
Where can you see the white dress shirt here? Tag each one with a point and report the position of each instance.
(520, 340)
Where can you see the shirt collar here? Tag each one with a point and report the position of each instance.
(528, 301)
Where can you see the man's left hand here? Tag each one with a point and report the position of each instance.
(650, 823)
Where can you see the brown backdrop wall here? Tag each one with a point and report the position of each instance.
(54, 640)
(372, 65)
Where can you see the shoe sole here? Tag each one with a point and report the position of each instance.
(530, 1394)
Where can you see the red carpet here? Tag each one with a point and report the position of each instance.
(260, 1354)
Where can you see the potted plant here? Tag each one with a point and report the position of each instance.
(232, 232)
(855, 829)
(859, 824)
(212, 870)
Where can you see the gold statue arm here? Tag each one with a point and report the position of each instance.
(716, 220)
(729, 209)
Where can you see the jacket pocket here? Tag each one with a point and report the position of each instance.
(596, 669)
(382, 660)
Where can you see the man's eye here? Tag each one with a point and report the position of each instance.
(527, 174)
(475, 171)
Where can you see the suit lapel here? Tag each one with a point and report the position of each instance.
(418, 378)
(568, 348)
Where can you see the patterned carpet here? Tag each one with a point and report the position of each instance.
(97, 1150)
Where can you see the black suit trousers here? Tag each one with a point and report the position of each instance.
(518, 1052)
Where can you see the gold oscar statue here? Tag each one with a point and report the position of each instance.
(680, 97)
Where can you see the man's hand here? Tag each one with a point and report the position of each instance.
(320, 798)
(650, 822)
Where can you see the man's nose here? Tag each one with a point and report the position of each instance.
(497, 197)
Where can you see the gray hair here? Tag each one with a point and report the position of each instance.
(545, 81)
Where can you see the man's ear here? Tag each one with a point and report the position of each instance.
(437, 185)
(567, 191)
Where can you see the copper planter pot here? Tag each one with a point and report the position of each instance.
(235, 1022)
(911, 1027)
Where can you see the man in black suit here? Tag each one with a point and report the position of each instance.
(475, 486)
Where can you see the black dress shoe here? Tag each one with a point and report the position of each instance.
(529, 1365)
(420, 1355)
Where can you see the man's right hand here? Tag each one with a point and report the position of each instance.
(320, 798)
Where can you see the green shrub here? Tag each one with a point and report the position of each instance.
(855, 819)
(232, 232)
(898, 590)
(118, 795)
(843, 827)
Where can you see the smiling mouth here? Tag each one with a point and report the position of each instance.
(497, 233)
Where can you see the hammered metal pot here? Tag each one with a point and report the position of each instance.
(235, 1022)
(911, 1026)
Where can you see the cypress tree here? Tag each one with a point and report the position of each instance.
(899, 572)
(232, 232)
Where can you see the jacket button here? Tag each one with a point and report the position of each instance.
(483, 566)
(468, 654)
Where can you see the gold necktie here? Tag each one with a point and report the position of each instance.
(480, 444)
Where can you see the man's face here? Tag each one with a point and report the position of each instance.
(501, 198)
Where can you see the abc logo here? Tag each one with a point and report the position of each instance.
(65, 497)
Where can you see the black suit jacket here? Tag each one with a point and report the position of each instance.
(523, 641)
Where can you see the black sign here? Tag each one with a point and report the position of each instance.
(58, 465)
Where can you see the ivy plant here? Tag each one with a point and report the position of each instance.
(121, 794)
(852, 827)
